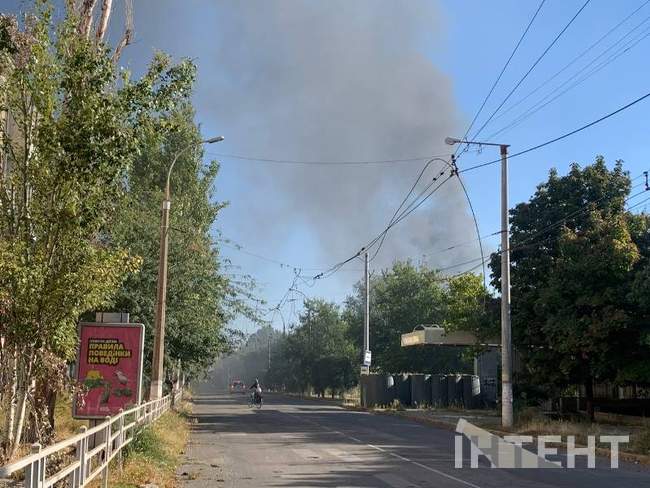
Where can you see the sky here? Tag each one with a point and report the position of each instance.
(366, 80)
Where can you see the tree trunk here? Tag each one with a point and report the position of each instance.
(12, 403)
(51, 405)
(86, 16)
(589, 395)
(103, 20)
(24, 386)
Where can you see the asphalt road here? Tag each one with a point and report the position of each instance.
(303, 443)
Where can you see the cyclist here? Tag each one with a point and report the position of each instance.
(256, 396)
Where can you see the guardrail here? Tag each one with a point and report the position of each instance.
(81, 458)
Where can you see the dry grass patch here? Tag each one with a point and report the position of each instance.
(531, 422)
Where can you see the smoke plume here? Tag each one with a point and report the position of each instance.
(334, 80)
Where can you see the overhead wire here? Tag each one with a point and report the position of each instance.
(401, 216)
(503, 69)
(572, 62)
(546, 100)
(405, 199)
(532, 67)
(527, 241)
(471, 207)
(559, 138)
(411, 207)
(325, 163)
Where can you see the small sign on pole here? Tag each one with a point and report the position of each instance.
(367, 358)
(109, 367)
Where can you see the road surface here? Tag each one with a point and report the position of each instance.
(304, 443)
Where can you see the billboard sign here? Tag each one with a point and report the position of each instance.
(109, 369)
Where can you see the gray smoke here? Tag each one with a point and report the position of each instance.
(332, 80)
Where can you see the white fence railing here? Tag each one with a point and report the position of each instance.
(81, 458)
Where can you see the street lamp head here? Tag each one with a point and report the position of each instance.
(213, 139)
(451, 141)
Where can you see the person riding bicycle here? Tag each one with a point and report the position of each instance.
(257, 393)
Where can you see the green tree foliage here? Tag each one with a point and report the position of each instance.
(316, 355)
(578, 280)
(321, 350)
(200, 297)
(403, 297)
(72, 130)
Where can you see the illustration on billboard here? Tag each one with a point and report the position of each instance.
(109, 368)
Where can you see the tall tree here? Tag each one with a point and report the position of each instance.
(75, 127)
(401, 298)
(573, 259)
(201, 299)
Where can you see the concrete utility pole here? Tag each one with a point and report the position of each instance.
(159, 318)
(366, 314)
(507, 417)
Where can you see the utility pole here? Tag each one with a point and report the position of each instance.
(159, 318)
(366, 315)
(507, 419)
(161, 298)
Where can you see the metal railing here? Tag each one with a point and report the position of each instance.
(77, 461)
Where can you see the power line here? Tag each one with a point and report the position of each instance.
(545, 101)
(294, 267)
(405, 213)
(563, 136)
(640, 203)
(528, 241)
(505, 66)
(574, 60)
(411, 208)
(476, 226)
(537, 61)
(325, 163)
(460, 244)
(404, 200)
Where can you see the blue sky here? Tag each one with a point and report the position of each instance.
(349, 81)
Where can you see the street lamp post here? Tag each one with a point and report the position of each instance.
(161, 297)
(507, 416)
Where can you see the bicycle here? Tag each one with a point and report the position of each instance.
(255, 400)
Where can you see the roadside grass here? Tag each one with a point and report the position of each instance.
(64, 425)
(532, 422)
(155, 453)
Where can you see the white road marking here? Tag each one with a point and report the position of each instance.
(402, 458)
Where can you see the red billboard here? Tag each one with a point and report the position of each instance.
(109, 369)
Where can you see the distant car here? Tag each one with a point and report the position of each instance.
(237, 387)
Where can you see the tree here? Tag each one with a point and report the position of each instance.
(470, 307)
(76, 127)
(400, 299)
(573, 261)
(329, 357)
(201, 299)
